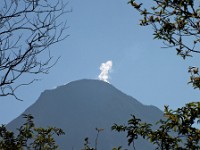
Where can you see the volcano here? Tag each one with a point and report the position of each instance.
(80, 107)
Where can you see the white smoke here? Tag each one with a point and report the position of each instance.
(105, 69)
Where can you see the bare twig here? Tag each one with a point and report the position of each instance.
(27, 29)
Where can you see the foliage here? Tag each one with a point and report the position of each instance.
(176, 22)
(27, 29)
(194, 78)
(29, 137)
(87, 143)
(175, 132)
(118, 148)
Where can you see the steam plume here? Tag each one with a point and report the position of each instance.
(105, 69)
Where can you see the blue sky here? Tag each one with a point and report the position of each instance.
(108, 30)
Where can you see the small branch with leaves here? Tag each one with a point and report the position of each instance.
(175, 22)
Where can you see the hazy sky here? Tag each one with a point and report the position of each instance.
(108, 30)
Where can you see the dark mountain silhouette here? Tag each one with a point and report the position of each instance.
(81, 106)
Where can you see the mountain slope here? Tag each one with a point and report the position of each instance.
(81, 106)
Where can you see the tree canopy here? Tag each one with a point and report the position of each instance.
(177, 24)
(176, 131)
(29, 137)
